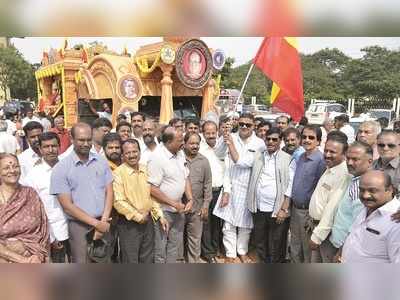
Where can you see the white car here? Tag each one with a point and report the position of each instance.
(317, 113)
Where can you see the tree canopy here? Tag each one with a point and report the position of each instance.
(330, 74)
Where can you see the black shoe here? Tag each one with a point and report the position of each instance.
(213, 260)
(210, 259)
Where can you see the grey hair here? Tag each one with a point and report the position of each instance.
(374, 124)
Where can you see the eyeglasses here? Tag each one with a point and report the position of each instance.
(310, 137)
(391, 146)
(247, 125)
(271, 139)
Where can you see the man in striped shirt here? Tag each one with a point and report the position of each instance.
(359, 161)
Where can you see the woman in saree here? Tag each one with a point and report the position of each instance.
(24, 233)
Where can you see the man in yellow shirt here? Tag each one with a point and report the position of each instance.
(137, 209)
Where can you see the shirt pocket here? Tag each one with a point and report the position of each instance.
(373, 244)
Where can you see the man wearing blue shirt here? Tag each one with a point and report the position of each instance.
(310, 167)
(83, 184)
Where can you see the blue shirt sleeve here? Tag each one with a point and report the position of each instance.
(59, 180)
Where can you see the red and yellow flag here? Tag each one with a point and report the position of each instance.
(278, 59)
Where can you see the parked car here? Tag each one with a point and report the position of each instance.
(389, 114)
(318, 112)
(255, 108)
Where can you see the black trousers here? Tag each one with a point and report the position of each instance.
(136, 241)
(270, 238)
(211, 239)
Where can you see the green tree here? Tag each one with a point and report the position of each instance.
(16, 73)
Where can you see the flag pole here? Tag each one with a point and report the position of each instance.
(243, 86)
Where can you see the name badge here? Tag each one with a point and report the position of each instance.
(327, 187)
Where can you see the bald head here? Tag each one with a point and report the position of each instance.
(376, 189)
(172, 139)
(79, 127)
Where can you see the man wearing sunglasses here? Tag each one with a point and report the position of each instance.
(389, 161)
(309, 168)
(268, 198)
(232, 207)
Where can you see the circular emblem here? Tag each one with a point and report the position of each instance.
(193, 64)
(218, 59)
(129, 89)
(167, 54)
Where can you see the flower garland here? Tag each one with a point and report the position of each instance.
(143, 64)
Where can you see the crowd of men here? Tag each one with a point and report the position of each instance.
(233, 189)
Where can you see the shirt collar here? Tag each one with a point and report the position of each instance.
(32, 153)
(131, 171)
(77, 160)
(314, 155)
(273, 155)
(169, 154)
(390, 207)
(338, 168)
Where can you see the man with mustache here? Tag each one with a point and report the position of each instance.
(39, 179)
(268, 197)
(149, 140)
(233, 208)
(292, 139)
(200, 178)
(136, 207)
(212, 229)
(82, 182)
(389, 151)
(309, 169)
(368, 133)
(359, 161)
(137, 119)
(30, 156)
(373, 236)
(168, 178)
(329, 191)
(112, 149)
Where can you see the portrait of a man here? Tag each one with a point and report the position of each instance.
(195, 65)
(129, 88)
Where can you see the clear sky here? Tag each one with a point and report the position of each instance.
(241, 48)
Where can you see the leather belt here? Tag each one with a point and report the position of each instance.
(300, 206)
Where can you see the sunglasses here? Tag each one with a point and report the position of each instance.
(271, 139)
(391, 146)
(310, 137)
(247, 125)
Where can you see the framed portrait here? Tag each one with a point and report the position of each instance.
(194, 64)
(129, 88)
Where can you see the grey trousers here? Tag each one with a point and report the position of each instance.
(325, 253)
(193, 232)
(136, 241)
(77, 240)
(167, 244)
(300, 251)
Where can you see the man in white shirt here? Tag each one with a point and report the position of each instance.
(39, 179)
(233, 207)
(342, 124)
(329, 191)
(45, 122)
(212, 229)
(150, 142)
(8, 142)
(268, 197)
(137, 120)
(29, 117)
(30, 156)
(374, 237)
(169, 180)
